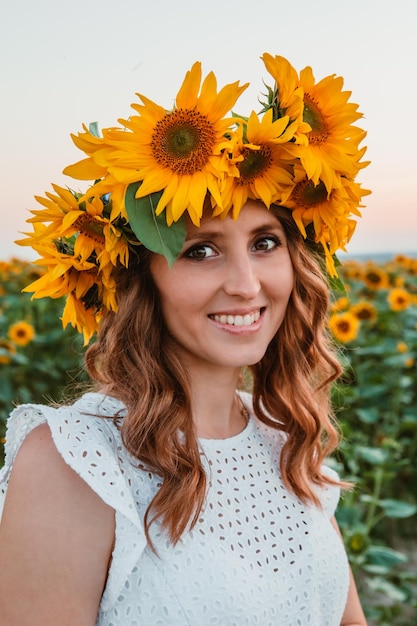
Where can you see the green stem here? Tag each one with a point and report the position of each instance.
(371, 518)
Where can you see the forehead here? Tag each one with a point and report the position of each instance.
(253, 217)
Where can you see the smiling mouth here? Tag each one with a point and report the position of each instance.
(238, 320)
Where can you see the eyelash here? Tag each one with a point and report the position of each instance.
(199, 247)
(189, 253)
(275, 240)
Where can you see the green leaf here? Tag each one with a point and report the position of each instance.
(337, 285)
(376, 569)
(370, 415)
(391, 591)
(381, 555)
(363, 351)
(397, 508)
(152, 230)
(375, 456)
(93, 128)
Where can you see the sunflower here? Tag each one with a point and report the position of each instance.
(180, 151)
(56, 207)
(341, 304)
(333, 149)
(402, 347)
(262, 173)
(287, 96)
(344, 326)
(21, 333)
(352, 270)
(358, 541)
(87, 287)
(4, 269)
(79, 246)
(330, 214)
(94, 168)
(403, 260)
(399, 299)
(364, 311)
(65, 272)
(90, 143)
(88, 222)
(375, 278)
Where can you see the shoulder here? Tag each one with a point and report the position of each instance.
(38, 454)
(44, 479)
(75, 436)
(56, 536)
(80, 421)
(72, 462)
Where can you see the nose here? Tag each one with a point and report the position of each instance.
(241, 278)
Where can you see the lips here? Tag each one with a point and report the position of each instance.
(237, 320)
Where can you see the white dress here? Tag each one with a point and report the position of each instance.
(257, 556)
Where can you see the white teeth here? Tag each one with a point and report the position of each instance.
(238, 320)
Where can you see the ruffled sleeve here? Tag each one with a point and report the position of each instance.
(329, 494)
(91, 446)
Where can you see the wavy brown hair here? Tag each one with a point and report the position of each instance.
(137, 361)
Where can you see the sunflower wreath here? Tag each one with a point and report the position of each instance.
(301, 151)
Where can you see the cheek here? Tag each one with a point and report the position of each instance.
(283, 281)
(178, 308)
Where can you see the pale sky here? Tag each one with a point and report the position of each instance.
(63, 64)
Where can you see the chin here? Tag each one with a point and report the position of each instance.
(251, 359)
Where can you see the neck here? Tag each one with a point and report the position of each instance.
(218, 412)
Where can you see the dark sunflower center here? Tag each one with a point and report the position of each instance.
(373, 278)
(91, 299)
(313, 116)
(90, 227)
(308, 195)
(254, 164)
(364, 314)
(343, 326)
(183, 141)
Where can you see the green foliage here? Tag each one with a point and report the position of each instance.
(152, 230)
(43, 367)
(376, 402)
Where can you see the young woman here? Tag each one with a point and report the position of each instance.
(166, 495)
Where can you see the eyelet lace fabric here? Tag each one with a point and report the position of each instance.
(256, 557)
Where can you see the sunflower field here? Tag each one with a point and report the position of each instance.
(38, 360)
(375, 324)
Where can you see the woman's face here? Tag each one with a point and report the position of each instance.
(226, 295)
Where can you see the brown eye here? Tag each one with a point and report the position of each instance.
(200, 252)
(266, 243)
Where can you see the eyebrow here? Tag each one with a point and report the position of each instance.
(269, 224)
